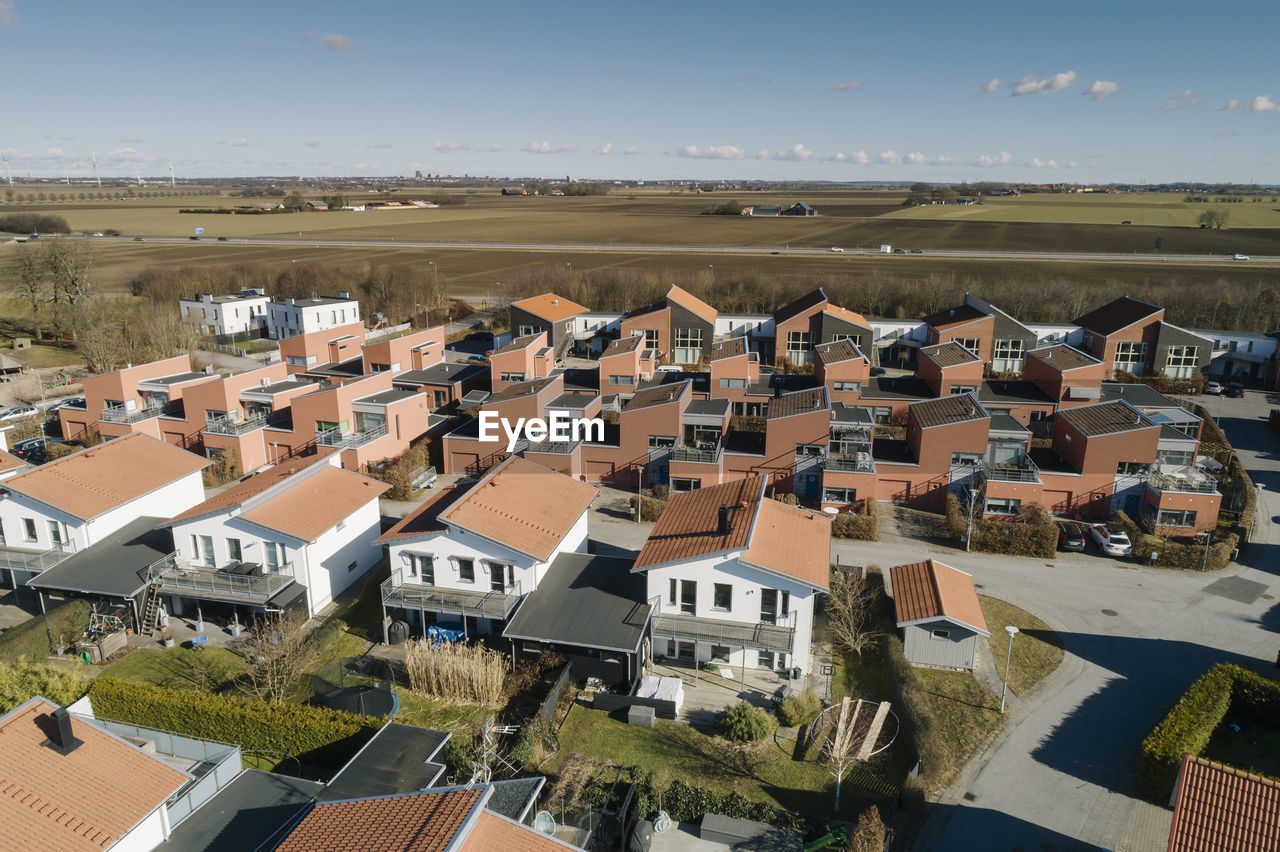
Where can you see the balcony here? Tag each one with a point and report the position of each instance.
(34, 561)
(131, 415)
(240, 584)
(700, 455)
(1021, 470)
(1183, 480)
(779, 638)
(234, 425)
(851, 462)
(559, 448)
(464, 602)
(337, 439)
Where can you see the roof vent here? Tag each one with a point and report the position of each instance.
(722, 527)
(555, 301)
(61, 738)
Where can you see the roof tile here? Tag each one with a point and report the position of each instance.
(1105, 418)
(1118, 314)
(691, 303)
(930, 589)
(949, 354)
(1218, 808)
(946, 410)
(550, 307)
(414, 822)
(316, 504)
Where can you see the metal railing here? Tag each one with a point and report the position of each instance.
(1190, 482)
(690, 454)
(350, 440)
(858, 462)
(127, 415)
(562, 448)
(234, 425)
(761, 635)
(1023, 470)
(396, 592)
(178, 577)
(32, 561)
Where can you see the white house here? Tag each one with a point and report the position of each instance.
(238, 313)
(306, 522)
(302, 316)
(466, 557)
(67, 505)
(736, 574)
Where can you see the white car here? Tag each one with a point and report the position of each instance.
(18, 412)
(1111, 540)
(1212, 388)
(1239, 256)
(837, 249)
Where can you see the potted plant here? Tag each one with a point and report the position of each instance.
(167, 640)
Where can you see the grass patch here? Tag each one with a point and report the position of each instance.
(965, 716)
(209, 669)
(34, 639)
(441, 715)
(763, 772)
(1256, 748)
(1037, 650)
(362, 611)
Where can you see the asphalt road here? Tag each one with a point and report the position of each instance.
(675, 249)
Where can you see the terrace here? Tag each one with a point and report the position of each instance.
(233, 425)
(560, 448)
(779, 638)
(350, 440)
(1020, 469)
(246, 582)
(1182, 479)
(856, 462)
(399, 594)
(33, 561)
(707, 454)
(121, 414)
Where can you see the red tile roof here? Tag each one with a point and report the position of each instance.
(519, 343)
(1221, 809)
(930, 589)
(728, 348)
(1062, 357)
(415, 822)
(317, 503)
(847, 315)
(946, 410)
(8, 462)
(791, 541)
(1105, 418)
(245, 489)
(950, 354)
(425, 520)
(550, 307)
(837, 351)
(493, 832)
(85, 799)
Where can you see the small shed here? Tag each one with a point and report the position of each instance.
(10, 367)
(936, 608)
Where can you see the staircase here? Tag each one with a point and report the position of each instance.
(151, 607)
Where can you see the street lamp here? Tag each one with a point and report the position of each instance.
(639, 484)
(1208, 537)
(1004, 691)
(973, 502)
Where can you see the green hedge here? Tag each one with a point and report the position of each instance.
(1185, 555)
(34, 639)
(1033, 533)
(862, 526)
(688, 803)
(1192, 721)
(316, 736)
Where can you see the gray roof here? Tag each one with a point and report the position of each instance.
(114, 565)
(440, 374)
(572, 400)
(311, 303)
(1007, 423)
(1015, 392)
(387, 397)
(280, 387)
(514, 798)
(587, 601)
(249, 813)
(841, 413)
(1138, 395)
(711, 407)
(178, 378)
(399, 759)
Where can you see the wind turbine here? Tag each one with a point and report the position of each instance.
(172, 183)
(95, 168)
(7, 173)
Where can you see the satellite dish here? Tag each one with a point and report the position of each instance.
(544, 823)
(662, 822)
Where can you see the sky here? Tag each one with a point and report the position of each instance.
(937, 91)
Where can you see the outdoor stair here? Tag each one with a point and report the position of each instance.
(151, 610)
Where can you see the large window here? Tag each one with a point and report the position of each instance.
(1176, 518)
(1002, 506)
(1175, 457)
(1131, 357)
(502, 576)
(511, 377)
(29, 528)
(650, 338)
(1007, 355)
(660, 441)
(422, 568)
(733, 384)
(722, 598)
(855, 339)
(688, 346)
(839, 495)
(466, 570)
(234, 552)
(688, 597)
(629, 381)
(1132, 469)
(685, 483)
(970, 343)
(851, 387)
(526, 330)
(1182, 362)
(800, 347)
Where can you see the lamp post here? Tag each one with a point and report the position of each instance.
(1004, 691)
(973, 501)
(1208, 537)
(639, 485)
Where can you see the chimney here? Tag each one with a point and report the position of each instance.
(722, 527)
(61, 739)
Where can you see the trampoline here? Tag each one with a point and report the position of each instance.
(359, 685)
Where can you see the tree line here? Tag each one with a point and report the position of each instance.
(33, 223)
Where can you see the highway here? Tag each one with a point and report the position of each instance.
(626, 248)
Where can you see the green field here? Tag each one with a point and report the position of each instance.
(1158, 209)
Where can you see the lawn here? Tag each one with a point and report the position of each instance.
(1256, 748)
(441, 715)
(209, 669)
(1037, 650)
(765, 772)
(1160, 209)
(965, 717)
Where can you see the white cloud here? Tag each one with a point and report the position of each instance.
(851, 86)
(241, 143)
(859, 158)
(795, 154)
(118, 152)
(1264, 103)
(915, 159)
(495, 147)
(1222, 134)
(548, 148)
(989, 86)
(383, 145)
(889, 158)
(1031, 86)
(1072, 164)
(53, 152)
(711, 152)
(1037, 163)
(946, 161)
(1230, 104)
(311, 144)
(1185, 98)
(450, 147)
(1100, 90)
(606, 148)
(631, 152)
(7, 14)
(333, 41)
(1004, 158)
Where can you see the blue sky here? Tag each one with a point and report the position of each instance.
(1090, 92)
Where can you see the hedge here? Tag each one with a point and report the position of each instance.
(34, 639)
(862, 526)
(316, 736)
(686, 802)
(1185, 555)
(1192, 721)
(1033, 533)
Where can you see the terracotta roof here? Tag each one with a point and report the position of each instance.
(1118, 314)
(658, 395)
(949, 354)
(55, 802)
(550, 307)
(1062, 357)
(104, 477)
(728, 348)
(790, 541)
(8, 461)
(317, 503)
(522, 389)
(837, 351)
(524, 506)
(1218, 808)
(930, 589)
(493, 832)
(948, 317)
(945, 410)
(691, 303)
(798, 402)
(519, 343)
(414, 822)
(796, 307)
(246, 489)
(623, 344)
(425, 519)
(847, 315)
(1105, 418)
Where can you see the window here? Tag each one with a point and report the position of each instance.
(800, 347)
(1002, 506)
(629, 381)
(809, 449)
(688, 597)
(1176, 518)
(2, 540)
(965, 458)
(852, 387)
(511, 377)
(650, 338)
(1007, 355)
(29, 528)
(206, 550)
(1182, 362)
(1175, 457)
(275, 555)
(733, 384)
(720, 653)
(722, 597)
(685, 483)
(839, 495)
(658, 441)
(351, 566)
(688, 346)
(525, 331)
(422, 567)
(55, 534)
(1132, 469)
(501, 576)
(301, 360)
(466, 570)
(773, 603)
(970, 343)
(882, 416)
(671, 593)
(765, 659)
(855, 339)
(1131, 357)
(964, 388)
(233, 549)
(940, 634)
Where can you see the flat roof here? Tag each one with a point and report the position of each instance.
(398, 759)
(443, 373)
(387, 397)
(587, 601)
(248, 813)
(841, 413)
(1014, 392)
(1007, 423)
(708, 407)
(571, 400)
(1138, 395)
(896, 387)
(280, 387)
(178, 378)
(113, 566)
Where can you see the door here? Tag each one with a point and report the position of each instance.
(55, 533)
(498, 577)
(773, 604)
(688, 597)
(1132, 504)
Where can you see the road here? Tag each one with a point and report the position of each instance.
(625, 248)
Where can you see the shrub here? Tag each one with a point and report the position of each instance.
(862, 524)
(787, 499)
(797, 710)
(456, 671)
(314, 735)
(459, 756)
(686, 802)
(20, 682)
(33, 223)
(1033, 533)
(37, 637)
(1186, 555)
(746, 723)
(650, 509)
(917, 721)
(868, 834)
(398, 473)
(225, 468)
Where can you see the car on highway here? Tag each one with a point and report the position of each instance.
(222, 239)
(1071, 536)
(899, 251)
(193, 237)
(1212, 388)
(99, 234)
(1238, 256)
(1235, 390)
(917, 251)
(837, 249)
(1111, 539)
(137, 239)
(33, 236)
(18, 412)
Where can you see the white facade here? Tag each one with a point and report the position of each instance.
(749, 590)
(741, 325)
(149, 833)
(238, 314)
(303, 316)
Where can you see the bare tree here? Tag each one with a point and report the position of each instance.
(29, 274)
(849, 609)
(70, 265)
(279, 653)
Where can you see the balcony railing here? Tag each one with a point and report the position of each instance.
(1023, 470)
(127, 415)
(560, 448)
(180, 578)
(856, 462)
(1184, 480)
(350, 440)
(234, 425)
(702, 456)
(761, 635)
(32, 560)
(396, 592)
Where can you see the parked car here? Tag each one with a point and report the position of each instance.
(1071, 536)
(18, 412)
(877, 371)
(1235, 390)
(1212, 388)
(477, 359)
(1111, 540)
(670, 368)
(34, 450)
(69, 402)
(486, 336)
